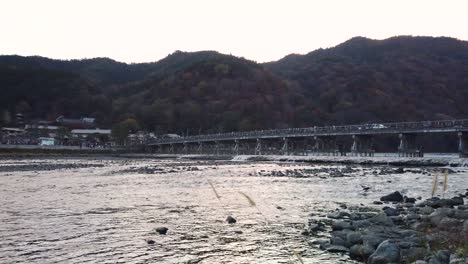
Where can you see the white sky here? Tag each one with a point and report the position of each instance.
(260, 30)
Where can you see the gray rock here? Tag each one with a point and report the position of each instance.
(463, 207)
(389, 211)
(337, 249)
(440, 257)
(387, 252)
(393, 197)
(419, 262)
(414, 253)
(231, 220)
(338, 215)
(411, 217)
(427, 210)
(353, 238)
(448, 223)
(162, 230)
(361, 223)
(373, 240)
(465, 226)
(438, 214)
(361, 251)
(381, 219)
(337, 241)
(461, 214)
(319, 241)
(397, 219)
(340, 225)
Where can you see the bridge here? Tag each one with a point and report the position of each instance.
(315, 140)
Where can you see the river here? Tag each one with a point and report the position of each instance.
(104, 210)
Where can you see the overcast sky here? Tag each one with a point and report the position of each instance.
(261, 30)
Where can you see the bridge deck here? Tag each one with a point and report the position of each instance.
(445, 126)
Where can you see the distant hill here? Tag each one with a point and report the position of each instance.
(361, 80)
(397, 79)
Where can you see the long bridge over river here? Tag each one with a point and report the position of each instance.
(315, 140)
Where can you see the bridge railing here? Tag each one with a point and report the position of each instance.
(332, 130)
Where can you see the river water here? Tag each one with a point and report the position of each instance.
(89, 210)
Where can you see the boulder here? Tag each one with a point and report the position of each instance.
(389, 211)
(231, 220)
(336, 249)
(381, 219)
(440, 257)
(337, 241)
(340, 225)
(448, 223)
(353, 238)
(361, 251)
(460, 214)
(393, 197)
(372, 240)
(387, 252)
(438, 214)
(161, 230)
(426, 210)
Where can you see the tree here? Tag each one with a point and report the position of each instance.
(120, 131)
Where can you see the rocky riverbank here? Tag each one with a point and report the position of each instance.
(404, 230)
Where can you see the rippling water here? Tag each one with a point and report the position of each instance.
(105, 214)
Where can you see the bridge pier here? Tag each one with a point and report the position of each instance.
(326, 145)
(407, 147)
(258, 147)
(235, 149)
(463, 144)
(200, 148)
(285, 147)
(362, 145)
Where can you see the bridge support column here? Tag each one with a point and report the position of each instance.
(285, 147)
(171, 148)
(326, 145)
(258, 147)
(362, 145)
(407, 147)
(185, 148)
(216, 148)
(463, 144)
(235, 149)
(200, 148)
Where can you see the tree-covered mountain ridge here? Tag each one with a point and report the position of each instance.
(361, 80)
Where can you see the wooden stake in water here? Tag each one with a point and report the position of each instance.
(434, 185)
(445, 183)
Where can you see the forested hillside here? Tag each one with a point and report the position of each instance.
(361, 80)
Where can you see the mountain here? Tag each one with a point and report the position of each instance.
(397, 79)
(361, 80)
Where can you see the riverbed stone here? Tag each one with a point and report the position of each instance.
(389, 211)
(461, 214)
(353, 238)
(231, 220)
(338, 241)
(372, 240)
(340, 225)
(448, 223)
(361, 223)
(381, 219)
(393, 197)
(438, 214)
(339, 249)
(162, 230)
(361, 251)
(427, 210)
(440, 257)
(387, 252)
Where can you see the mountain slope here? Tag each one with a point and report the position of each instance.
(397, 79)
